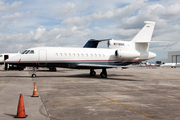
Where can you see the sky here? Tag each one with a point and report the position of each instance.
(35, 23)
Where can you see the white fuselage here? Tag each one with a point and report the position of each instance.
(70, 57)
(170, 65)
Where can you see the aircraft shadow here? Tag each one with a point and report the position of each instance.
(110, 77)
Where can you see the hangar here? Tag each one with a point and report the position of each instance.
(174, 57)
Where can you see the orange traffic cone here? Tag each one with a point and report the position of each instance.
(21, 110)
(121, 68)
(35, 94)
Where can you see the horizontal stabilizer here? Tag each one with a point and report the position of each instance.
(151, 41)
(92, 43)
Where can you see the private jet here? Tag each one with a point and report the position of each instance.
(172, 65)
(119, 54)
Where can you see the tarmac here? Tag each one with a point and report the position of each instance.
(70, 94)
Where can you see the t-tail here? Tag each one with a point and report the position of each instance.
(137, 48)
(143, 38)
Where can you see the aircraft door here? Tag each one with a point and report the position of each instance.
(6, 57)
(42, 58)
(6, 66)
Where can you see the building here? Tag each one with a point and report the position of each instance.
(174, 57)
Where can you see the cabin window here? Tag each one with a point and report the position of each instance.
(24, 52)
(86, 55)
(99, 55)
(73, 54)
(95, 55)
(65, 54)
(103, 55)
(78, 54)
(69, 54)
(27, 51)
(61, 54)
(31, 52)
(91, 55)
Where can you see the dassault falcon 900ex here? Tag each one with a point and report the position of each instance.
(119, 54)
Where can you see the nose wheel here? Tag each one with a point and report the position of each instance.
(33, 75)
(34, 72)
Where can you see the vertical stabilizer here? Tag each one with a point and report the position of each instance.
(143, 38)
(146, 32)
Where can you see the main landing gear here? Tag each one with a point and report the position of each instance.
(52, 69)
(92, 72)
(103, 73)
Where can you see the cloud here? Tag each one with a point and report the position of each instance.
(65, 10)
(115, 14)
(39, 32)
(11, 17)
(155, 12)
(8, 20)
(9, 8)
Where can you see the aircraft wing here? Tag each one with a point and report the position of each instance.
(108, 66)
(92, 43)
(101, 66)
(153, 41)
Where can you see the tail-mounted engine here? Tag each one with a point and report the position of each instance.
(126, 54)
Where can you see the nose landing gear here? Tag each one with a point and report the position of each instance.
(34, 72)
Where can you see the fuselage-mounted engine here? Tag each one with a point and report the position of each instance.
(124, 54)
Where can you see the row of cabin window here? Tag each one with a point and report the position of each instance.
(80, 55)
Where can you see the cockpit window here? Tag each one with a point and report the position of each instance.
(27, 51)
(1, 55)
(24, 52)
(31, 52)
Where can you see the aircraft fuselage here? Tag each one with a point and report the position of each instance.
(70, 57)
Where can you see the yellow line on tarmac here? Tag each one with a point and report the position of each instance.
(68, 81)
(78, 103)
(126, 106)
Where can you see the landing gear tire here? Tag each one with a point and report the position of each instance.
(52, 69)
(33, 75)
(103, 75)
(93, 73)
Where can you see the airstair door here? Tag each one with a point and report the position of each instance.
(42, 58)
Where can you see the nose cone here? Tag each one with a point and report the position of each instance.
(14, 59)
